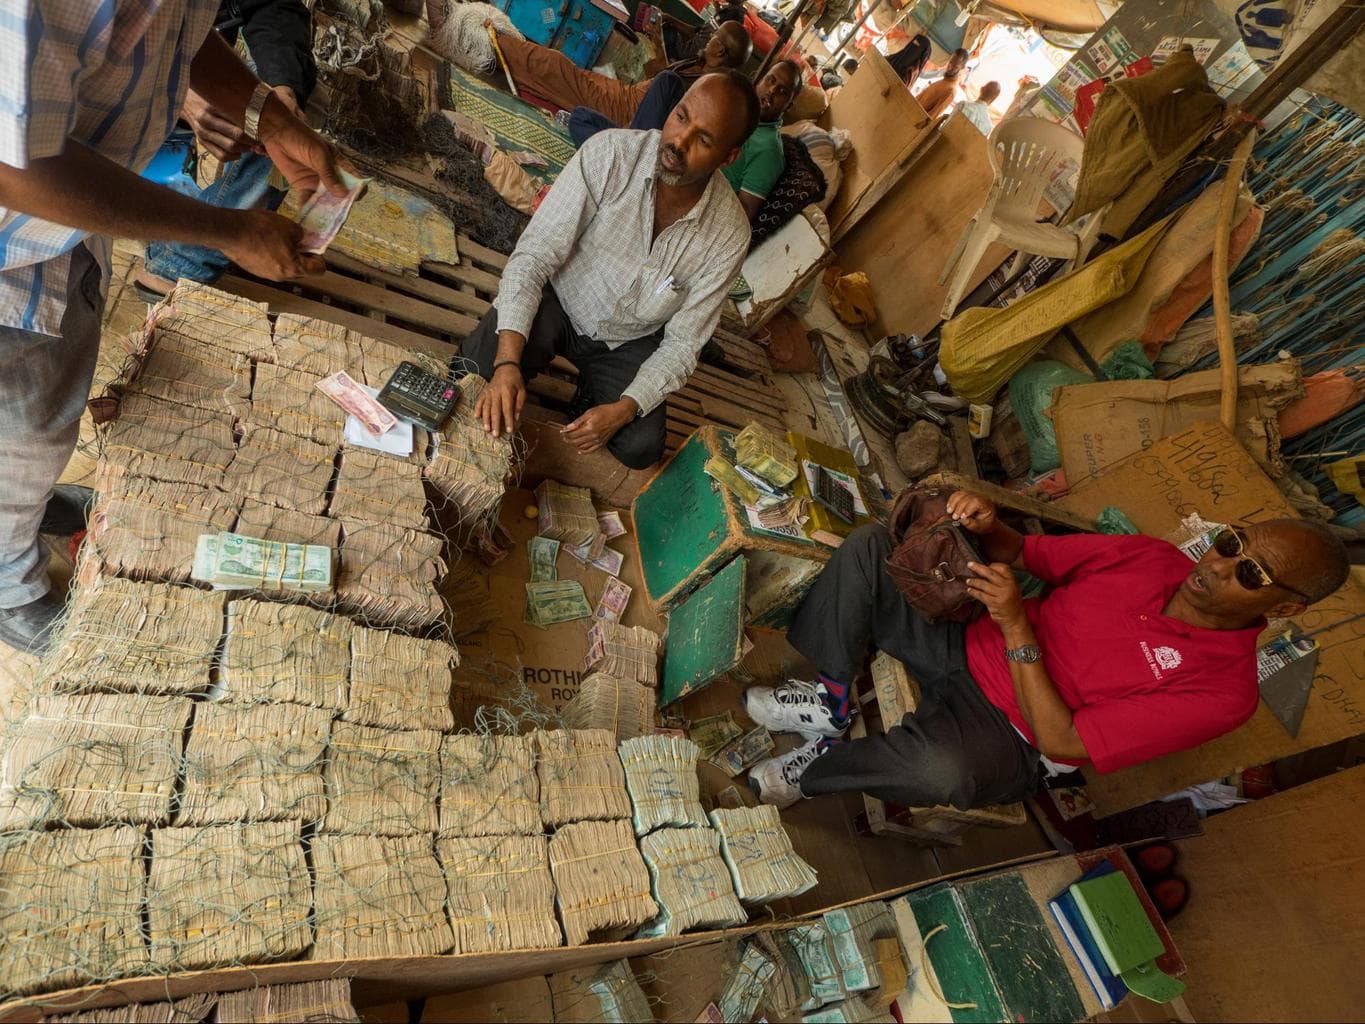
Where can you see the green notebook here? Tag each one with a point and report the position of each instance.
(1117, 921)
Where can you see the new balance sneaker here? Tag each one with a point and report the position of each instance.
(777, 780)
(795, 706)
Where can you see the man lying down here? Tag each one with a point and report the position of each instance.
(1133, 654)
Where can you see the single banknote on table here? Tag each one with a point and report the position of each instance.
(712, 733)
(323, 214)
(552, 601)
(615, 597)
(542, 553)
(611, 525)
(740, 753)
(341, 388)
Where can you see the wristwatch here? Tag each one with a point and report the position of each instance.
(1026, 655)
(251, 120)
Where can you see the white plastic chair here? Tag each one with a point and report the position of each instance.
(1025, 153)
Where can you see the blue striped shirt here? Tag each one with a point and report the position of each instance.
(108, 73)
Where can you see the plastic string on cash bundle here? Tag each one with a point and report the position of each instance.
(500, 893)
(229, 561)
(620, 706)
(489, 785)
(625, 652)
(601, 881)
(747, 985)
(690, 882)
(759, 854)
(581, 777)
(661, 776)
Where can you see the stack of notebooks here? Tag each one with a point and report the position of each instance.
(1112, 938)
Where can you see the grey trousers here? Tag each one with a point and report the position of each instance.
(957, 748)
(44, 384)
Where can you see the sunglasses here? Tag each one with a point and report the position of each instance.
(1251, 574)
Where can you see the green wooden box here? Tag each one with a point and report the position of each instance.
(688, 528)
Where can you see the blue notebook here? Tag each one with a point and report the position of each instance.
(1109, 990)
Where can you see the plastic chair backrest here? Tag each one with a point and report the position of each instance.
(1025, 152)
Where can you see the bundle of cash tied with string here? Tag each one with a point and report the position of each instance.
(824, 979)
(581, 777)
(661, 776)
(761, 451)
(230, 561)
(853, 933)
(552, 601)
(624, 652)
(601, 881)
(690, 882)
(620, 706)
(747, 985)
(759, 853)
(567, 514)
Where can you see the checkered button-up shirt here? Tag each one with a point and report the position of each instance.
(590, 239)
(108, 73)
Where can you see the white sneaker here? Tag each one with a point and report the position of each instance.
(777, 780)
(795, 706)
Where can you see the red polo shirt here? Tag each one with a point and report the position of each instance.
(1140, 684)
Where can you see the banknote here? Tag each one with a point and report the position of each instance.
(543, 552)
(611, 524)
(615, 597)
(740, 753)
(712, 733)
(597, 648)
(324, 213)
(609, 561)
(552, 601)
(231, 561)
(340, 388)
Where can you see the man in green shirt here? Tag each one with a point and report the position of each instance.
(760, 162)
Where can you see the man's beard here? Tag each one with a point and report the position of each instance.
(673, 178)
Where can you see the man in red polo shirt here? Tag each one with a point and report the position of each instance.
(1134, 653)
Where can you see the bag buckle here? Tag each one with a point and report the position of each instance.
(943, 573)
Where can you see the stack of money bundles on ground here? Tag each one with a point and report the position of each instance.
(568, 515)
(469, 467)
(489, 786)
(661, 775)
(499, 893)
(328, 1000)
(763, 452)
(552, 601)
(620, 996)
(853, 932)
(381, 781)
(625, 652)
(581, 778)
(600, 879)
(811, 944)
(759, 854)
(747, 985)
(400, 682)
(621, 706)
(689, 881)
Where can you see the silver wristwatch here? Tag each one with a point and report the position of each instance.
(1026, 655)
(251, 120)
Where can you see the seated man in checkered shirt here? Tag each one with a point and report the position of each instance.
(623, 270)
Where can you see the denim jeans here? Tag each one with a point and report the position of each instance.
(44, 384)
(243, 185)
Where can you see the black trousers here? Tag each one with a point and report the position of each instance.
(603, 372)
(957, 747)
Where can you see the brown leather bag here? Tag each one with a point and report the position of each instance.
(929, 559)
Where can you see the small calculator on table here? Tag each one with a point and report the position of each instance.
(831, 493)
(419, 397)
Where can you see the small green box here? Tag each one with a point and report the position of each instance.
(688, 528)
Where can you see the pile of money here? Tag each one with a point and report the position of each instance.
(379, 489)
(289, 400)
(91, 758)
(250, 762)
(499, 893)
(229, 561)
(228, 894)
(788, 990)
(284, 469)
(79, 896)
(600, 879)
(389, 573)
(612, 604)
(542, 553)
(690, 882)
(661, 776)
(811, 944)
(554, 601)
(621, 706)
(712, 733)
(728, 477)
(626, 652)
(489, 786)
(759, 449)
(619, 995)
(168, 442)
(469, 467)
(210, 320)
(381, 781)
(286, 652)
(852, 1009)
(581, 778)
(147, 529)
(362, 906)
(348, 394)
(191, 373)
(567, 514)
(740, 753)
(400, 682)
(759, 854)
(748, 985)
(853, 932)
(311, 1000)
(611, 525)
(609, 560)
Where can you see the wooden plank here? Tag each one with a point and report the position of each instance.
(708, 380)
(481, 280)
(727, 412)
(886, 181)
(287, 302)
(471, 249)
(391, 303)
(1013, 500)
(961, 435)
(465, 302)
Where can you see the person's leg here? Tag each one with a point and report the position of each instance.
(552, 76)
(244, 184)
(585, 122)
(550, 330)
(44, 384)
(659, 100)
(955, 749)
(604, 373)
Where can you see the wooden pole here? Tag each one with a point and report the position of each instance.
(1222, 301)
(872, 8)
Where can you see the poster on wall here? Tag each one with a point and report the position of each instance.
(1203, 48)
(1232, 69)
(1074, 74)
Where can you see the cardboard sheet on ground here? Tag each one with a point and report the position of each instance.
(549, 661)
(1101, 423)
(1203, 469)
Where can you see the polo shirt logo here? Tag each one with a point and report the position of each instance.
(1167, 657)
